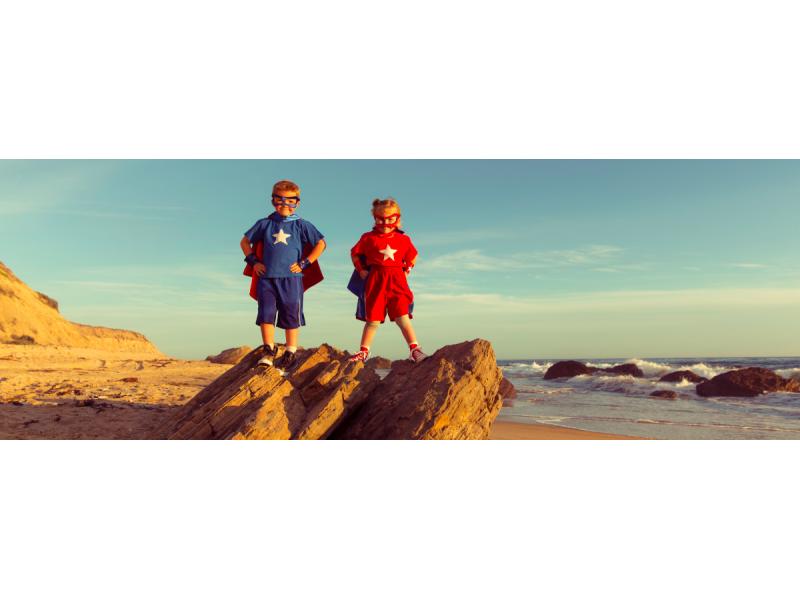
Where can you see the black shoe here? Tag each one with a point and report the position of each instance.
(287, 361)
(269, 356)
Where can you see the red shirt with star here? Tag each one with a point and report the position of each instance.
(385, 249)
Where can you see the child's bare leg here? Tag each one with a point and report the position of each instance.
(404, 323)
(268, 334)
(291, 337)
(370, 329)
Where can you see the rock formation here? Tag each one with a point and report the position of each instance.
(30, 317)
(507, 389)
(626, 369)
(666, 394)
(573, 368)
(252, 402)
(678, 376)
(231, 356)
(749, 382)
(568, 368)
(379, 362)
(451, 395)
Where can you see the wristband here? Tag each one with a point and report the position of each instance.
(251, 259)
(303, 263)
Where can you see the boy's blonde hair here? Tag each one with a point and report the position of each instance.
(386, 205)
(284, 185)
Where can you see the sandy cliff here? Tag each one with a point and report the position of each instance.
(30, 317)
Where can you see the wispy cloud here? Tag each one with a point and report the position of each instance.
(463, 236)
(630, 300)
(478, 260)
(579, 256)
(43, 186)
(749, 266)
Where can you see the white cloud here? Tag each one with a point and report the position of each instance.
(465, 260)
(477, 260)
(611, 301)
(464, 236)
(41, 186)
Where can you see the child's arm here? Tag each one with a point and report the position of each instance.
(315, 253)
(410, 258)
(359, 265)
(312, 256)
(247, 248)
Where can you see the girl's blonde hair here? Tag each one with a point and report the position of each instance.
(386, 205)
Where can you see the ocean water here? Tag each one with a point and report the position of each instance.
(623, 405)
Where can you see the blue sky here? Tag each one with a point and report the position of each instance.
(544, 258)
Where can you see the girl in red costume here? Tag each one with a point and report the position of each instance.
(389, 256)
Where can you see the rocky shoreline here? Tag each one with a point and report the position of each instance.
(740, 382)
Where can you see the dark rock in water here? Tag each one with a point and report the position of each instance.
(508, 402)
(507, 389)
(568, 368)
(667, 394)
(678, 376)
(379, 362)
(231, 356)
(453, 394)
(626, 369)
(749, 382)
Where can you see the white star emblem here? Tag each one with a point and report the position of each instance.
(281, 237)
(388, 252)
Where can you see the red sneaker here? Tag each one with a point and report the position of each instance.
(359, 356)
(417, 355)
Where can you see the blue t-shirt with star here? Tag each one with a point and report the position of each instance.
(283, 239)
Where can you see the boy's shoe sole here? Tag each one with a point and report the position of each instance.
(268, 360)
(287, 361)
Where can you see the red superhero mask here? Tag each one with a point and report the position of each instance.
(390, 221)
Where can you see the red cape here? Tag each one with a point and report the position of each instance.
(312, 274)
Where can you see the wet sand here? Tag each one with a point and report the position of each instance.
(507, 430)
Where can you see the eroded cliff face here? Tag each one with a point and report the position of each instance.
(30, 317)
(451, 395)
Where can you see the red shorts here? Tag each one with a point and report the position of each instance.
(386, 290)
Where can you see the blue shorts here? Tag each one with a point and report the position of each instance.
(281, 296)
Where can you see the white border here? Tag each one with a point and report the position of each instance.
(573, 79)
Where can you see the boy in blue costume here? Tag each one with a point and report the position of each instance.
(280, 272)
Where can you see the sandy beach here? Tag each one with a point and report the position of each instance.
(57, 392)
(507, 430)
